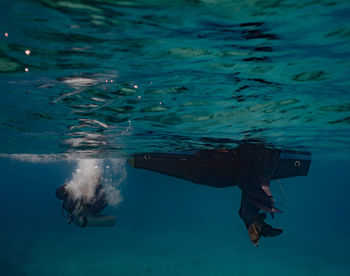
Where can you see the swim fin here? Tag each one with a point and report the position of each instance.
(259, 228)
(254, 235)
(269, 231)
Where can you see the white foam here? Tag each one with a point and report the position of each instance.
(90, 173)
(85, 179)
(87, 175)
(79, 81)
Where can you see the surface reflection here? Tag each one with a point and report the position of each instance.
(238, 68)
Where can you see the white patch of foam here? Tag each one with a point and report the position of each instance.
(115, 176)
(39, 158)
(85, 179)
(91, 172)
(88, 174)
(79, 81)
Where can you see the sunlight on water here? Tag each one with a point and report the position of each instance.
(103, 74)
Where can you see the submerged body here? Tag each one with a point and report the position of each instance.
(250, 166)
(85, 212)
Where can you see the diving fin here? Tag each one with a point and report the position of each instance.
(253, 234)
(259, 228)
(269, 231)
(265, 229)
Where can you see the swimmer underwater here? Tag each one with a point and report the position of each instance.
(250, 166)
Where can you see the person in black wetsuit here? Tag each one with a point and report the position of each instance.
(84, 212)
(250, 166)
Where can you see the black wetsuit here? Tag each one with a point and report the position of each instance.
(250, 166)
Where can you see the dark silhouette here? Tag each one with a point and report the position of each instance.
(85, 212)
(250, 166)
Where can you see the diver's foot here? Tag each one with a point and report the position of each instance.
(253, 229)
(265, 229)
(260, 219)
(254, 235)
(269, 231)
(259, 228)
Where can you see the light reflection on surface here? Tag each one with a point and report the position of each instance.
(255, 74)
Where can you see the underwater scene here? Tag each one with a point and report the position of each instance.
(190, 137)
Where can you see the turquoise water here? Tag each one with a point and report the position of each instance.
(100, 80)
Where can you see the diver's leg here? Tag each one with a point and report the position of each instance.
(254, 221)
(248, 211)
(265, 229)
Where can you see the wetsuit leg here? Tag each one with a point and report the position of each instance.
(248, 211)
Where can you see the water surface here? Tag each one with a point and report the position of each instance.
(119, 76)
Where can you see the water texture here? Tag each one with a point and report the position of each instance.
(118, 76)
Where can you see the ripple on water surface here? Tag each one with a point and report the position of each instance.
(117, 76)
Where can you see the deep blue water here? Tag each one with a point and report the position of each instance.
(85, 84)
(167, 226)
